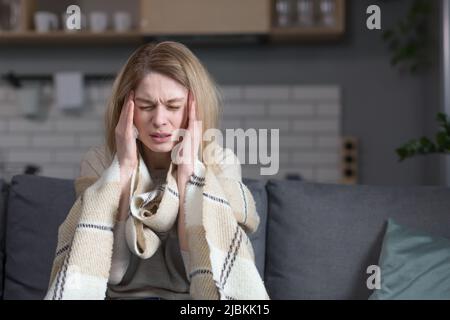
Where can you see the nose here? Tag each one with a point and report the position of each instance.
(159, 117)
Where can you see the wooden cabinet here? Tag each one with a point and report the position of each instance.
(198, 17)
(172, 18)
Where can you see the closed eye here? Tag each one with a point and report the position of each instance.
(146, 107)
(173, 108)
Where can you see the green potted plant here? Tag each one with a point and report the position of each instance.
(409, 38)
(424, 145)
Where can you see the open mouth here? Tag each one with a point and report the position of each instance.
(160, 137)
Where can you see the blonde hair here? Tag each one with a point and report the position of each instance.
(175, 61)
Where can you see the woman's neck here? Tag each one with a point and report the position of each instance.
(156, 160)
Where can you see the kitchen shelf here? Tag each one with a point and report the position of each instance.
(299, 34)
(67, 38)
(254, 17)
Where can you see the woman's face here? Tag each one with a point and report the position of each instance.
(160, 108)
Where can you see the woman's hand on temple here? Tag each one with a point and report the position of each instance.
(125, 136)
(188, 152)
(191, 142)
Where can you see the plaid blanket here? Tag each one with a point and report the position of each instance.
(220, 212)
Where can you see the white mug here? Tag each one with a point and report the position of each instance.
(98, 21)
(122, 21)
(45, 21)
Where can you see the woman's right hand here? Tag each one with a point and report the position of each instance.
(125, 137)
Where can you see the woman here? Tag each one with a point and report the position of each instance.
(157, 217)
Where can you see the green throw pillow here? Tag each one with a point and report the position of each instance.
(413, 265)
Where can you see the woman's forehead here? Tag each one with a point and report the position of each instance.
(158, 86)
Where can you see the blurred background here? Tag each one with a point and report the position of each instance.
(344, 97)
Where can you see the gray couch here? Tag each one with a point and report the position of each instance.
(315, 240)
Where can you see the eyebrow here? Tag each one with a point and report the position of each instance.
(150, 100)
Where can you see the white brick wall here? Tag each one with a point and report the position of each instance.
(316, 126)
(281, 109)
(231, 93)
(315, 157)
(309, 119)
(316, 93)
(18, 125)
(51, 141)
(243, 109)
(3, 125)
(26, 156)
(14, 140)
(327, 142)
(293, 142)
(54, 142)
(266, 93)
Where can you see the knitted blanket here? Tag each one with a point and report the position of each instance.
(219, 209)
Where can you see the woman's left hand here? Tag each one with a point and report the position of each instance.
(191, 142)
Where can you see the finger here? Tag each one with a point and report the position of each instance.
(197, 131)
(124, 110)
(192, 111)
(130, 115)
(198, 138)
(192, 118)
(188, 107)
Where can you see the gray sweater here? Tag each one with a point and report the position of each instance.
(162, 275)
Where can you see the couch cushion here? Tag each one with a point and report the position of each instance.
(3, 194)
(36, 208)
(258, 239)
(413, 265)
(321, 238)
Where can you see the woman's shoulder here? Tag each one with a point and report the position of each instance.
(95, 161)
